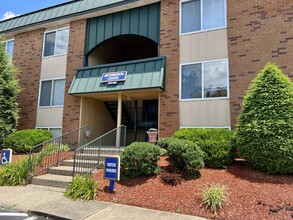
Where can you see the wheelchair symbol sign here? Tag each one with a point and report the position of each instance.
(6, 156)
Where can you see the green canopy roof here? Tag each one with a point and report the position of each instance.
(141, 74)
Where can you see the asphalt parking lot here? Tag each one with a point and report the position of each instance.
(13, 215)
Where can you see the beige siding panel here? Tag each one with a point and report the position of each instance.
(49, 117)
(95, 114)
(54, 67)
(206, 113)
(209, 45)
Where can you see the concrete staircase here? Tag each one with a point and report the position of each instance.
(61, 176)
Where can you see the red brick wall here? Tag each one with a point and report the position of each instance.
(75, 57)
(27, 58)
(258, 32)
(169, 47)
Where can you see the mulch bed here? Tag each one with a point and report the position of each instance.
(252, 194)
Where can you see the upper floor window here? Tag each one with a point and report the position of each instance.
(52, 93)
(198, 15)
(56, 42)
(204, 80)
(9, 46)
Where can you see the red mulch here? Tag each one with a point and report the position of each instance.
(252, 195)
(18, 157)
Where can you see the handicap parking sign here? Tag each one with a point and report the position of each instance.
(6, 156)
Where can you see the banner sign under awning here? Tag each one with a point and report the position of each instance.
(114, 77)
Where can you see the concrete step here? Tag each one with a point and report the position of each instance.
(61, 170)
(92, 156)
(102, 150)
(52, 180)
(68, 171)
(80, 163)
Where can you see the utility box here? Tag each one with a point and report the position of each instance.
(152, 133)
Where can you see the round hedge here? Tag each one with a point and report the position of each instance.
(265, 125)
(139, 159)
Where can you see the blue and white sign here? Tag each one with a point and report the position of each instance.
(112, 168)
(114, 78)
(6, 156)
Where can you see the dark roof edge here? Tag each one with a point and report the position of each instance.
(62, 17)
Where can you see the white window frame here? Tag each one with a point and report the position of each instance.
(44, 41)
(227, 127)
(49, 127)
(40, 88)
(202, 81)
(201, 19)
(6, 43)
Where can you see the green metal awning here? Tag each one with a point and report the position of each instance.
(141, 74)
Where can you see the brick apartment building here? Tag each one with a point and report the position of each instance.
(188, 62)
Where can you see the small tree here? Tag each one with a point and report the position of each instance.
(265, 125)
(9, 89)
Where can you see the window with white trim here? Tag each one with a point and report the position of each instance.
(198, 15)
(57, 132)
(56, 42)
(9, 46)
(204, 80)
(52, 93)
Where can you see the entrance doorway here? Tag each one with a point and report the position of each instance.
(138, 115)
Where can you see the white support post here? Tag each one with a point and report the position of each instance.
(119, 118)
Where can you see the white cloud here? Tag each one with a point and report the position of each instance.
(8, 15)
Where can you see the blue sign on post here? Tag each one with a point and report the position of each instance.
(6, 156)
(112, 170)
(114, 78)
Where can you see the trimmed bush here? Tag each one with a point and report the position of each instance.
(164, 142)
(217, 144)
(139, 159)
(22, 141)
(186, 156)
(14, 174)
(265, 125)
(83, 188)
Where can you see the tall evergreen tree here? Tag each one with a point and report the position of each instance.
(9, 89)
(265, 125)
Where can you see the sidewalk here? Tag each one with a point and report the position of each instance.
(51, 201)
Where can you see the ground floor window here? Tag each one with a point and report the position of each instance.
(204, 80)
(57, 131)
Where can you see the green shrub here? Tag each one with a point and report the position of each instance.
(83, 188)
(164, 142)
(139, 159)
(14, 174)
(22, 141)
(51, 148)
(186, 155)
(265, 125)
(214, 197)
(217, 144)
(9, 89)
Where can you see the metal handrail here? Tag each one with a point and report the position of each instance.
(88, 157)
(53, 152)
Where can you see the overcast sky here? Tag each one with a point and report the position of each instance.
(10, 8)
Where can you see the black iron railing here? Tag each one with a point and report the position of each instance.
(54, 151)
(89, 157)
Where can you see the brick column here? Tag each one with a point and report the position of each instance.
(27, 57)
(75, 58)
(169, 47)
(258, 32)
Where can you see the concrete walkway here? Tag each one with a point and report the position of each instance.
(51, 201)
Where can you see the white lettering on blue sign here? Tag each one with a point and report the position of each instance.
(111, 164)
(109, 170)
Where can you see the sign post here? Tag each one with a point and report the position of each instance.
(6, 156)
(112, 170)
